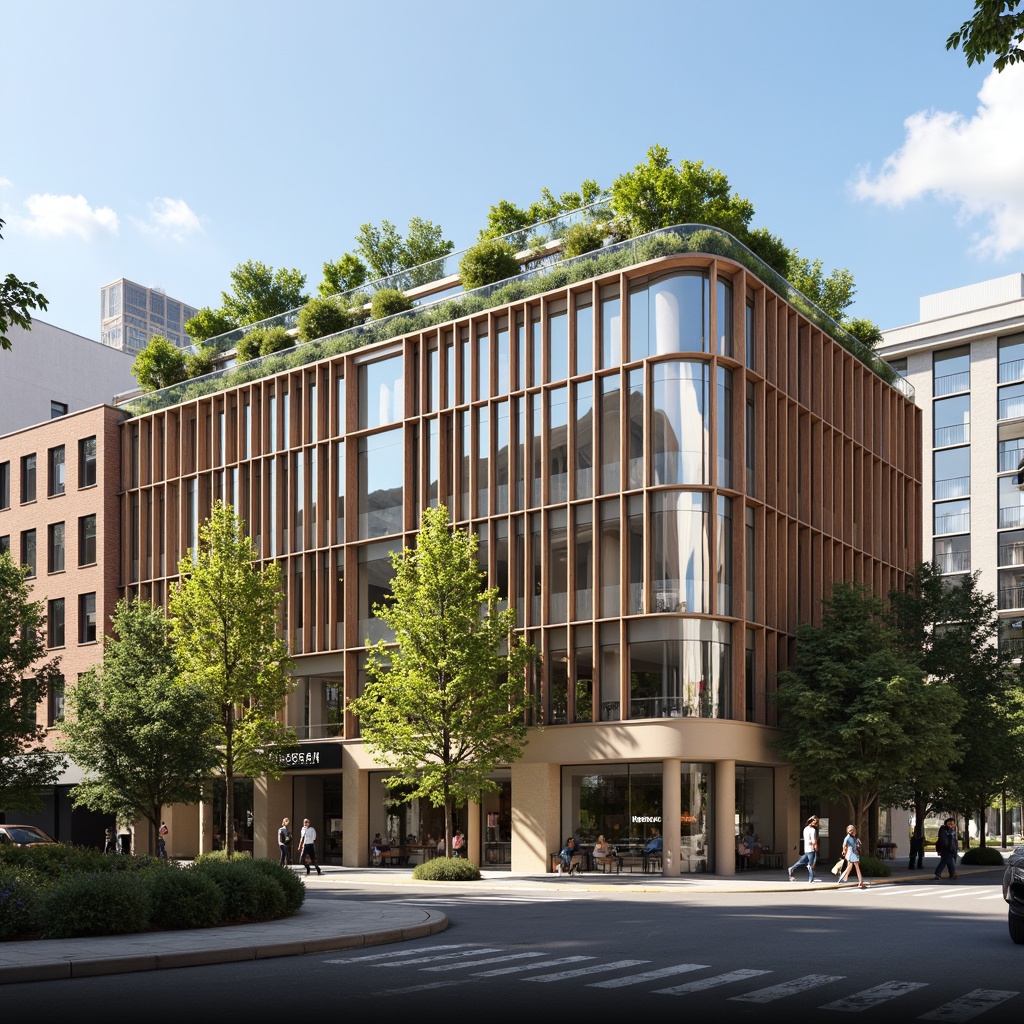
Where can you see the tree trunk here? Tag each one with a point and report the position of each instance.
(229, 782)
(1002, 818)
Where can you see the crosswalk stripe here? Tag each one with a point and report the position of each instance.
(705, 983)
(959, 892)
(994, 896)
(365, 958)
(579, 972)
(970, 1005)
(788, 988)
(443, 956)
(489, 960)
(636, 979)
(530, 967)
(870, 997)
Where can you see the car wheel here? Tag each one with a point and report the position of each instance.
(1017, 929)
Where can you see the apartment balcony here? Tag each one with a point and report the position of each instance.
(1011, 597)
(946, 437)
(952, 383)
(953, 561)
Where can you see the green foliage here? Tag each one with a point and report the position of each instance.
(17, 904)
(224, 631)
(262, 341)
(184, 898)
(854, 711)
(343, 275)
(159, 364)
(446, 869)
(486, 262)
(259, 291)
(446, 704)
(768, 247)
(865, 331)
(983, 855)
(100, 903)
(290, 884)
(23, 646)
(209, 323)
(322, 316)
(41, 864)
(996, 28)
(249, 894)
(583, 237)
(830, 294)
(874, 867)
(387, 302)
(199, 363)
(144, 738)
(505, 218)
(16, 299)
(387, 253)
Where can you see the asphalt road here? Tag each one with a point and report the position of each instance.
(892, 953)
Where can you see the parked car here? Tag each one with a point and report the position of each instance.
(1013, 893)
(25, 835)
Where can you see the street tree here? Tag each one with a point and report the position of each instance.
(17, 297)
(446, 701)
(855, 712)
(997, 29)
(143, 739)
(26, 765)
(159, 365)
(259, 291)
(224, 617)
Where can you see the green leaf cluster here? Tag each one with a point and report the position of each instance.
(486, 262)
(997, 28)
(324, 315)
(26, 766)
(388, 302)
(17, 297)
(262, 341)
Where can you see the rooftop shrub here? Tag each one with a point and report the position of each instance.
(486, 262)
(387, 302)
(322, 316)
(262, 341)
(582, 238)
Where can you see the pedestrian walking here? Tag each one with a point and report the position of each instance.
(161, 842)
(307, 839)
(810, 854)
(917, 846)
(851, 851)
(947, 847)
(284, 841)
(110, 841)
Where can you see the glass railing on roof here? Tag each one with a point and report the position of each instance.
(530, 239)
(688, 238)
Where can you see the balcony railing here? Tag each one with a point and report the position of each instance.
(1011, 516)
(958, 433)
(1010, 457)
(1011, 408)
(695, 238)
(1011, 554)
(952, 487)
(956, 522)
(953, 561)
(951, 383)
(1011, 370)
(1012, 647)
(1011, 597)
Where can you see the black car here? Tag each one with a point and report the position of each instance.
(24, 835)
(1013, 893)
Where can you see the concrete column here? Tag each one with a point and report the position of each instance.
(206, 822)
(272, 801)
(183, 825)
(725, 818)
(671, 802)
(788, 826)
(355, 799)
(474, 845)
(536, 828)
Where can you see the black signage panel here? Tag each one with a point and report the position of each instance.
(309, 757)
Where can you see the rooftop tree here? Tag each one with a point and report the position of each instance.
(446, 702)
(159, 365)
(142, 736)
(224, 618)
(26, 765)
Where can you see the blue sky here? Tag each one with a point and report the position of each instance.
(169, 142)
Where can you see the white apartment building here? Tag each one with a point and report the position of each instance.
(130, 314)
(49, 372)
(965, 359)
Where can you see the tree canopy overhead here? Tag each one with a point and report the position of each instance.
(25, 679)
(996, 29)
(17, 297)
(446, 702)
(224, 619)
(143, 738)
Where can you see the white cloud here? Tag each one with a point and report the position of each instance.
(171, 218)
(5, 182)
(975, 162)
(52, 216)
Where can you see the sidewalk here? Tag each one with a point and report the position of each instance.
(323, 924)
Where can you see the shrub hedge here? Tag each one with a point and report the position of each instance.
(983, 855)
(447, 869)
(95, 903)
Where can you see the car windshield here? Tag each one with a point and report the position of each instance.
(21, 834)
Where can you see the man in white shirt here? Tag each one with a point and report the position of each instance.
(810, 854)
(306, 840)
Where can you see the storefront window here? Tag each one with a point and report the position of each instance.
(755, 805)
(242, 814)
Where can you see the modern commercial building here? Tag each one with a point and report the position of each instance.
(51, 372)
(965, 359)
(667, 458)
(130, 314)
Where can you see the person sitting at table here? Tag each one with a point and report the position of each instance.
(603, 855)
(653, 848)
(569, 858)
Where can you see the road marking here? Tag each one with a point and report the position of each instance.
(478, 963)
(865, 1000)
(959, 892)
(417, 988)
(970, 1005)
(636, 979)
(491, 901)
(531, 967)
(443, 956)
(705, 983)
(788, 988)
(596, 969)
(994, 896)
(390, 955)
